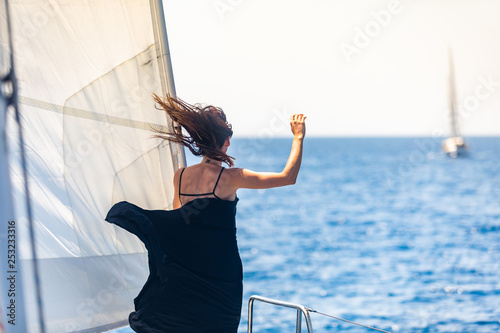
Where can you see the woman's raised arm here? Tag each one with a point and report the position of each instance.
(244, 178)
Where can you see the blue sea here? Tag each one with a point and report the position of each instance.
(387, 232)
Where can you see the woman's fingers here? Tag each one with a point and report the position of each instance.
(297, 123)
(298, 117)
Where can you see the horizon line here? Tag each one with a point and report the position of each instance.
(374, 136)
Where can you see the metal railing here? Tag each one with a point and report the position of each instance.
(300, 310)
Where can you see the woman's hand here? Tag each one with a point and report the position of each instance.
(244, 178)
(298, 125)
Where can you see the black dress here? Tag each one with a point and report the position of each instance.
(195, 272)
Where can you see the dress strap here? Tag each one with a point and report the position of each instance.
(194, 195)
(180, 179)
(217, 182)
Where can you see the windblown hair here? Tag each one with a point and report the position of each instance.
(207, 127)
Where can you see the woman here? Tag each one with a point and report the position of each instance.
(195, 281)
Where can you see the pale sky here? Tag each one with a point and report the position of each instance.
(354, 68)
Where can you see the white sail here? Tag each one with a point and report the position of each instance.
(86, 72)
(6, 216)
(454, 130)
(10, 300)
(454, 145)
(12, 314)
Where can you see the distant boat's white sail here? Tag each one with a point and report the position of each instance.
(454, 145)
(86, 71)
(454, 125)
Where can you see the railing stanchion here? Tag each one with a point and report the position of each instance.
(299, 321)
(250, 315)
(300, 310)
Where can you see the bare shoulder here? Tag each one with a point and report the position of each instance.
(233, 171)
(233, 175)
(177, 174)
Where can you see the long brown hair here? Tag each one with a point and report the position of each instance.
(207, 127)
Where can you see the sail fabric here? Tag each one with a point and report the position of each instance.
(86, 71)
(11, 308)
(6, 213)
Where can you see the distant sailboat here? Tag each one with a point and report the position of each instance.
(454, 145)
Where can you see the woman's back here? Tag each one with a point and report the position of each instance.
(204, 180)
